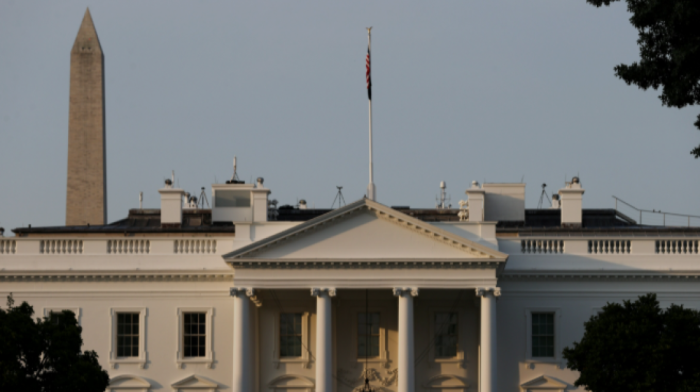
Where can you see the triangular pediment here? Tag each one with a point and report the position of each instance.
(365, 230)
(194, 382)
(127, 382)
(543, 383)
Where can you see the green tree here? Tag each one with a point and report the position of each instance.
(45, 356)
(669, 50)
(637, 346)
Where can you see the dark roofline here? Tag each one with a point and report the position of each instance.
(538, 222)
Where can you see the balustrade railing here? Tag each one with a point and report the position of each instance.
(610, 246)
(542, 246)
(128, 246)
(194, 246)
(61, 247)
(678, 247)
(8, 246)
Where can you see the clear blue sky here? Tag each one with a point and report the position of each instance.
(463, 90)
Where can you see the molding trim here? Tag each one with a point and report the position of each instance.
(128, 382)
(287, 382)
(208, 358)
(305, 359)
(141, 360)
(556, 359)
(364, 263)
(114, 277)
(543, 383)
(194, 382)
(601, 275)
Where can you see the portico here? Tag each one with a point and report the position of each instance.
(423, 280)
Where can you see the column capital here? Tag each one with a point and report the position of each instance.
(316, 291)
(482, 291)
(399, 291)
(246, 292)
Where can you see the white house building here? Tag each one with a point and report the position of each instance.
(248, 297)
(245, 296)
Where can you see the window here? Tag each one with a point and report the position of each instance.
(128, 336)
(543, 335)
(195, 335)
(231, 198)
(368, 335)
(52, 313)
(290, 335)
(53, 317)
(446, 334)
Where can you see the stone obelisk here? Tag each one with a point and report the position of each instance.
(86, 201)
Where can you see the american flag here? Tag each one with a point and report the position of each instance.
(369, 78)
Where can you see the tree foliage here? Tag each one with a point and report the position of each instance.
(669, 50)
(45, 356)
(637, 346)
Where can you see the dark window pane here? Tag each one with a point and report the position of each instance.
(127, 334)
(290, 334)
(543, 335)
(195, 336)
(368, 334)
(446, 330)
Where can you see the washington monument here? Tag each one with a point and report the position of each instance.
(86, 201)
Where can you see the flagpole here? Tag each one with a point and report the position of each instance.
(371, 189)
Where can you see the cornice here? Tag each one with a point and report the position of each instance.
(365, 264)
(115, 277)
(600, 275)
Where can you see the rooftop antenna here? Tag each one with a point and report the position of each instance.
(543, 195)
(202, 199)
(443, 201)
(339, 197)
(235, 170)
(371, 189)
(140, 200)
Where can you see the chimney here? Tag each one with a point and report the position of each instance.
(556, 204)
(260, 194)
(170, 205)
(476, 202)
(571, 203)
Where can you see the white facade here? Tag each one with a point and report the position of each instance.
(487, 283)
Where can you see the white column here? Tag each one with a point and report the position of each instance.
(489, 362)
(406, 369)
(242, 369)
(324, 343)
